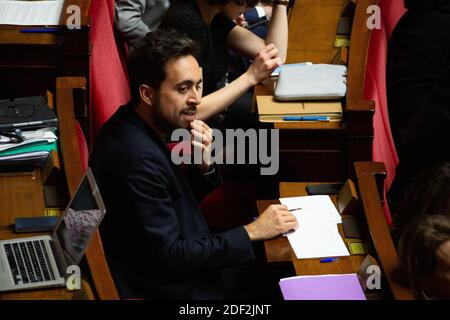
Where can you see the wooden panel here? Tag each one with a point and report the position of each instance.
(312, 30)
(30, 62)
(312, 139)
(21, 195)
(312, 165)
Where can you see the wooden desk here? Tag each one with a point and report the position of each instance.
(375, 232)
(31, 62)
(22, 195)
(326, 151)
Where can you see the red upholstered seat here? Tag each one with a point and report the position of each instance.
(375, 89)
(231, 204)
(82, 143)
(109, 81)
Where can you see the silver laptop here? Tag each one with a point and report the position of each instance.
(42, 261)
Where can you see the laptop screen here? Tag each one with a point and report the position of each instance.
(80, 220)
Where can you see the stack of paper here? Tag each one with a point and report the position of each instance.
(270, 110)
(324, 287)
(317, 235)
(31, 13)
(34, 150)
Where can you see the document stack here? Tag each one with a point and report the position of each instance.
(27, 133)
(317, 235)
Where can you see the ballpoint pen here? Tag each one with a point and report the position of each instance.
(295, 209)
(39, 30)
(306, 118)
(329, 260)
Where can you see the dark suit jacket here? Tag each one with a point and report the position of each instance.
(418, 55)
(155, 237)
(427, 139)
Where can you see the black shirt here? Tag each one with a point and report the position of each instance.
(418, 55)
(185, 16)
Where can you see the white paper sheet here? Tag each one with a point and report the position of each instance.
(317, 235)
(316, 238)
(31, 13)
(321, 205)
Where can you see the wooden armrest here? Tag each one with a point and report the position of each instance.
(360, 105)
(103, 282)
(359, 45)
(366, 173)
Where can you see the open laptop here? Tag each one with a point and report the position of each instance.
(42, 261)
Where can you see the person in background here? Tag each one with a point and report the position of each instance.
(156, 240)
(426, 141)
(418, 56)
(256, 20)
(429, 194)
(135, 18)
(424, 251)
(421, 231)
(210, 24)
(418, 74)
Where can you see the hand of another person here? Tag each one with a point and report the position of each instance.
(264, 63)
(201, 142)
(241, 21)
(271, 223)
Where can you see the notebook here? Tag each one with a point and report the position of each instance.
(270, 110)
(26, 113)
(42, 261)
(322, 287)
(311, 82)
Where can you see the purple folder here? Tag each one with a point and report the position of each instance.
(323, 287)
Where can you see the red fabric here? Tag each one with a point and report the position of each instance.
(109, 82)
(230, 205)
(375, 89)
(84, 151)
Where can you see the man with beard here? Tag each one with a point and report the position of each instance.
(156, 240)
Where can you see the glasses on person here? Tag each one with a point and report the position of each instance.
(17, 110)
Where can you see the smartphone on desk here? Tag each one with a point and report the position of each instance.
(35, 224)
(324, 188)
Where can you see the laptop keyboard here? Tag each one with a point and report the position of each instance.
(29, 261)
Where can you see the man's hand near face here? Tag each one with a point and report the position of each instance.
(201, 144)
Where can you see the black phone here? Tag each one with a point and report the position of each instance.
(35, 224)
(260, 21)
(324, 188)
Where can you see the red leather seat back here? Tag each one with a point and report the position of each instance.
(375, 89)
(109, 81)
(82, 143)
